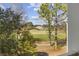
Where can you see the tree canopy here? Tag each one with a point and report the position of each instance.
(47, 11)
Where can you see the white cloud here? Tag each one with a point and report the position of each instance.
(35, 9)
(29, 6)
(34, 17)
(35, 5)
(32, 4)
(2, 6)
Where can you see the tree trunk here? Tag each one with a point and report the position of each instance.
(49, 30)
(56, 32)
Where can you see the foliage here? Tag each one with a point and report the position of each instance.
(25, 43)
(14, 39)
(47, 12)
(9, 21)
(7, 45)
(29, 25)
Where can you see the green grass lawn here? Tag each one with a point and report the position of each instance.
(44, 36)
(61, 35)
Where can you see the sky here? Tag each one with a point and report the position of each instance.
(30, 10)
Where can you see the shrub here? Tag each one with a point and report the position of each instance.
(17, 44)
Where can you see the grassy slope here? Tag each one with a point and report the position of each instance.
(43, 35)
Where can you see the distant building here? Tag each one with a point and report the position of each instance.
(39, 27)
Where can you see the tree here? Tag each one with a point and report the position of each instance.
(47, 12)
(26, 42)
(29, 25)
(9, 21)
(14, 38)
(56, 8)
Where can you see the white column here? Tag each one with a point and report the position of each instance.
(73, 28)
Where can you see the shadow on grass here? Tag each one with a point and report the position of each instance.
(41, 54)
